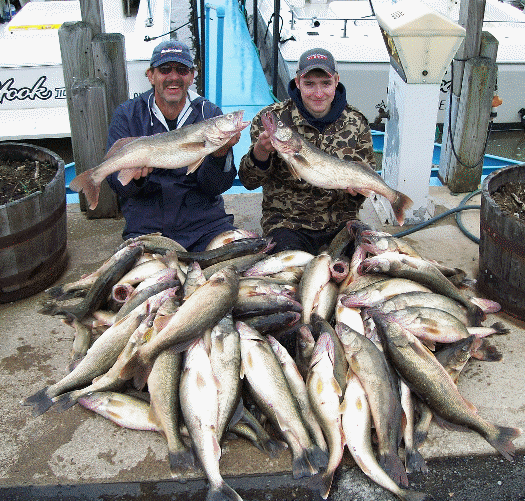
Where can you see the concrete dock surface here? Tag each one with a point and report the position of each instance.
(77, 454)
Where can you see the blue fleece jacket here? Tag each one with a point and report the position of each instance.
(185, 208)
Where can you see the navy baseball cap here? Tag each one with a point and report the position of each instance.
(316, 59)
(171, 51)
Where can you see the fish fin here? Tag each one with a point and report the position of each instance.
(499, 328)
(40, 401)
(84, 183)
(503, 440)
(161, 321)
(126, 175)
(322, 482)
(273, 447)
(486, 352)
(193, 167)
(393, 466)
(301, 467)
(487, 305)
(222, 493)
(431, 345)
(181, 462)
(137, 370)
(294, 172)
(318, 458)
(55, 292)
(117, 145)
(414, 461)
(400, 205)
(65, 401)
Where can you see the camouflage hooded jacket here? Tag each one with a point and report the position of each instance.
(295, 204)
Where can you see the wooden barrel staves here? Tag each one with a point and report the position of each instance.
(502, 245)
(33, 230)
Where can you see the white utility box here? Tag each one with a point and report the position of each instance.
(421, 42)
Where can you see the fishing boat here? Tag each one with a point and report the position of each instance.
(32, 91)
(349, 30)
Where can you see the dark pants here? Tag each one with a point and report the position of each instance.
(306, 240)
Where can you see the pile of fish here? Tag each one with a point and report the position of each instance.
(310, 353)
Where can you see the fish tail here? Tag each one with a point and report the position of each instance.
(502, 440)
(394, 467)
(487, 305)
(181, 462)
(486, 352)
(65, 401)
(322, 482)
(273, 447)
(222, 493)
(40, 401)
(414, 461)
(317, 458)
(55, 291)
(499, 328)
(84, 183)
(414, 495)
(420, 436)
(400, 205)
(301, 467)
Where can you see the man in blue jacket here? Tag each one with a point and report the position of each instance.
(185, 208)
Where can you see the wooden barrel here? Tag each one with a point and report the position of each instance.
(33, 230)
(502, 246)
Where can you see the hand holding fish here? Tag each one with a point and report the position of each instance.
(145, 171)
(263, 147)
(221, 152)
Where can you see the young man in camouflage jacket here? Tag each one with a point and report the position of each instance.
(296, 214)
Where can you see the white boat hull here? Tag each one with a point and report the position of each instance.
(32, 90)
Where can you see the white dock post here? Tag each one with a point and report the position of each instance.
(409, 144)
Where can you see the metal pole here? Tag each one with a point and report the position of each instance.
(207, 53)
(203, 42)
(276, 37)
(220, 43)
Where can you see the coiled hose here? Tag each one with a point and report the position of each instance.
(456, 210)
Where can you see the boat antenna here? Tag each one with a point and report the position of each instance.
(149, 39)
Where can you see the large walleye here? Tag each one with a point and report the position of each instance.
(163, 389)
(225, 358)
(423, 272)
(325, 393)
(315, 277)
(430, 381)
(298, 387)
(369, 364)
(199, 403)
(318, 168)
(271, 391)
(178, 148)
(356, 421)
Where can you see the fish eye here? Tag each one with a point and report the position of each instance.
(280, 124)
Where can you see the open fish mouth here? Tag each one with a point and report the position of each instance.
(268, 120)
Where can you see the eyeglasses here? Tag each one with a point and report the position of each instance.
(166, 69)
